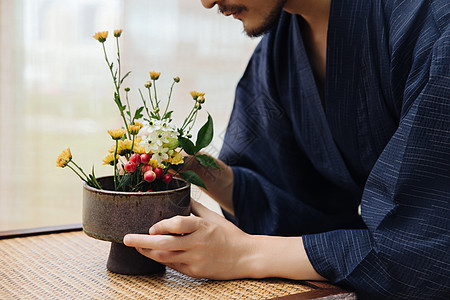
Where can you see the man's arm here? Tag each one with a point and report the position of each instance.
(208, 246)
(219, 182)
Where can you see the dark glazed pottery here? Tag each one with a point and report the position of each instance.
(110, 215)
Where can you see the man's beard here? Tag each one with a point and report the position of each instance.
(268, 23)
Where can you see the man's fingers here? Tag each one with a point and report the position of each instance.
(176, 225)
(199, 209)
(159, 242)
(164, 257)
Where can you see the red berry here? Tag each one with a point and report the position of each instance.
(149, 176)
(130, 167)
(136, 158)
(167, 178)
(158, 171)
(150, 190)
(146, 168)
(145, 158)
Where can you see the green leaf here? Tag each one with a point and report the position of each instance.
(124, 183)
(138, 114)
(168, 115)
(192, 177)
(187, 145)
(124, 76)
(205, 135)
(93, 180)
(207, 161)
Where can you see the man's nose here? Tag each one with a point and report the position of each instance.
(209, 3)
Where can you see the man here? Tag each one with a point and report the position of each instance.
(344, 103)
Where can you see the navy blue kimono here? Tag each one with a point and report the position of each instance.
(381, 138)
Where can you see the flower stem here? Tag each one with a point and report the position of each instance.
(129, 107)
(156, 98)
(168, 101)
(145, 104)
(118, 59)
(77, 173)
(117, 86)
(115, 165)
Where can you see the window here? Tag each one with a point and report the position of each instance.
(56, 91)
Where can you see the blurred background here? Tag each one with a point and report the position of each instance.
(56, 90)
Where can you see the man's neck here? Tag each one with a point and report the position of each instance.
(316, 14)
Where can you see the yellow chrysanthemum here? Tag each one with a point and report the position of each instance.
(176, 159)
(64, 158)
(138, 148)
(117, 32)
(117, 134)
(154, 75)
(101, 36)
(134, 129)
(124, 147)
(196, 94)
(154, 163)
(109, 159)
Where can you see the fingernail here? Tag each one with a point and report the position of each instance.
(152, 230)
(126, 239)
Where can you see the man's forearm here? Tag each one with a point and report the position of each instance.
(219, 183)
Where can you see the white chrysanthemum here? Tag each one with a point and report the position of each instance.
(161, 155)
(149, 144)
(155, 134)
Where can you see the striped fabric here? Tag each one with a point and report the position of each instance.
(381, 139)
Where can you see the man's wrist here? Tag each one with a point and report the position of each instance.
(270, 256)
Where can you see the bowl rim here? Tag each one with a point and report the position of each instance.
(92, 189)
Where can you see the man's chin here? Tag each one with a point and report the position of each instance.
(257, 32)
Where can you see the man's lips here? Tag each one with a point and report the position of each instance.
(235, 14)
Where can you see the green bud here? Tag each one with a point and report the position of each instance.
(189, 135)
(170, 152)
(176, 79)
(201, 99)
(148, 84)
(172, 144)
(127, 89)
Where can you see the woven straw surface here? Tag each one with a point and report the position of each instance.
(73, 266)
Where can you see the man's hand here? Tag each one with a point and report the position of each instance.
(205, 245)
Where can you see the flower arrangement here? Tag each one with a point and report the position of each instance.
(147, 150)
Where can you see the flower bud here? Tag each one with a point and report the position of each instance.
(198, 106)
(117, 32)
(127, 89)
(189, 135)
(176, 79)
(148, 84)
(154, 75)
(101, 36)
(201, 99)
(172, 144)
